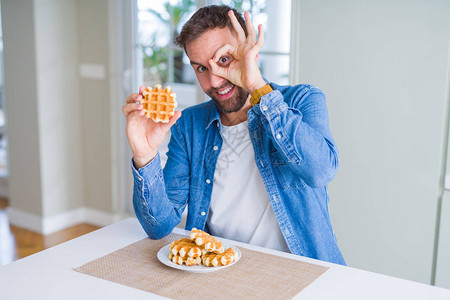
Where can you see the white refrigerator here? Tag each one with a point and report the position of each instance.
(384, 67)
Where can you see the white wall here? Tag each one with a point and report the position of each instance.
(60, 144)
(95, 103)
(383, 67)
(59, 125)
(21, 94)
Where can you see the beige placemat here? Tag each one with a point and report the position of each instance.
(256, 275)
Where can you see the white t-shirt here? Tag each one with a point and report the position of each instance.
(240, 209)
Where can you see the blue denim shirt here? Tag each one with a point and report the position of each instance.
(295, 153)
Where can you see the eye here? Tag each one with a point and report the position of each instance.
(223, 60)
(201, 69)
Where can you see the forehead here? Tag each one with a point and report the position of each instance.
(203, 48)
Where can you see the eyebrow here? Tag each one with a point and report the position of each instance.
(195, 63)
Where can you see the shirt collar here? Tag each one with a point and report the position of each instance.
(214, 114)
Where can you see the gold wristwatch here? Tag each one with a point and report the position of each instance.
(258, 93)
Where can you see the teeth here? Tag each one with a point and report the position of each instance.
(225, 91)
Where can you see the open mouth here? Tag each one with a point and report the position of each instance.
(225, 93)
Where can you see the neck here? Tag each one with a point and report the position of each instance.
(235, 118)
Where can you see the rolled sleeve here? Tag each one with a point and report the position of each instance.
(271, 105)
(144, 179)
(151, 172)
(297, 123)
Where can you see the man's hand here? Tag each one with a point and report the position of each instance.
(144, 135)
(243, 69)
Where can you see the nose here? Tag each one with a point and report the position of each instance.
(216, 81)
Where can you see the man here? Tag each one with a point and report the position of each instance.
(252, 164)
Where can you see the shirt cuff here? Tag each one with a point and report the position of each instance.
(271, 104)
(149, 172)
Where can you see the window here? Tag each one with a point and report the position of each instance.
(161, 61)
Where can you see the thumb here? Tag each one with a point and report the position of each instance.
(174, 118)
(172, 121)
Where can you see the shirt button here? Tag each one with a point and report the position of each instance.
(140, 179)
(208, 181)
(278, 136)
(203, 213)
(262, 164)
(215, 148)
(218, 125)
(265, 108)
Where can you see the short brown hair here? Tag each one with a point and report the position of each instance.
(206, 18)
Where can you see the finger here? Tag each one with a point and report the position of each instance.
(172, 121)
(251, 34)
(174, 118)
(140, 96)
(136, 119)
(260, 41)
(217, 70)
(137, 114)
(133, 98)
(225, 49)
(134, 114)
(130, 107)
(237, 26)
(138, 99)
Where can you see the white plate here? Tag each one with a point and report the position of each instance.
(163, 256)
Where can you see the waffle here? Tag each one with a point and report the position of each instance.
(186, 248)
(216, 260)
(194, 251)
(202, 238)
(159, 104)
(188, 261)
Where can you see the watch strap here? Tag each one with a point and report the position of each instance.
(258, 93)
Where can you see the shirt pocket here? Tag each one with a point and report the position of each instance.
(287, 178)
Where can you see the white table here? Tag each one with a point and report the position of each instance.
(49, 274)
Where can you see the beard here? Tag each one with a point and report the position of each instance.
(232, 104)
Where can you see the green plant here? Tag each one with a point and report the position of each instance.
(157, 64)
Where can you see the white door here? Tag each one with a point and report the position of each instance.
(383, 66)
